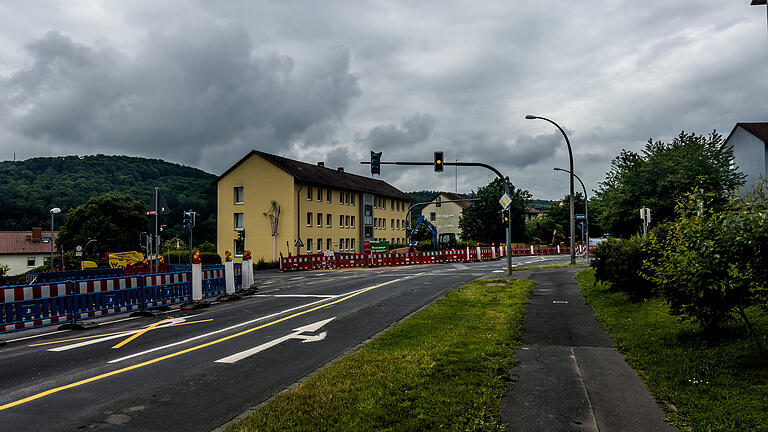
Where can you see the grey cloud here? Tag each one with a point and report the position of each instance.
(413, 130)
(176, 96)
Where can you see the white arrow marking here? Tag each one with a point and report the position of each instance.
(295, 335)
(117, 336)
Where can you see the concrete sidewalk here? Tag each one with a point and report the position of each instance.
(570, 378)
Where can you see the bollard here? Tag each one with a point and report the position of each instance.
(197, 282)
(229, 276)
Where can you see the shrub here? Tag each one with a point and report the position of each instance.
(620, 262)
(712, 265)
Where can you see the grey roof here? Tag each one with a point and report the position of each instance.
(322, 176)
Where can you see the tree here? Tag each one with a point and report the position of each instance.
(541, 229)
(482, 222)
(661, 176)
(115, 220)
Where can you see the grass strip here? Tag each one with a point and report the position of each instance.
(444, 368)
(703, 384)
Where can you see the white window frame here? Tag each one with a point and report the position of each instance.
(242, 194)
(242, 221)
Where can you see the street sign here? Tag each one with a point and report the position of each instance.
(580, 217)
(505, 201)
(299, 243)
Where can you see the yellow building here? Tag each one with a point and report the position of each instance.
(279, 205)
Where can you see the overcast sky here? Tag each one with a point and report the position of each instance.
(202, 83)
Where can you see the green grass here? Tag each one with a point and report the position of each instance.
(703, 384)
(444, 368)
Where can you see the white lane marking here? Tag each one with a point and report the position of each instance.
(121, 335)
(36, 336)
(300, 295)
(498, 271)
(244, 323)
(310, 328)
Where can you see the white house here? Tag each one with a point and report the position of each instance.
(750, 150)
(22, 251)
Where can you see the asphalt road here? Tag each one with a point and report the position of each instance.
(197, 370)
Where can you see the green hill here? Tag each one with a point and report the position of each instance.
(30, 188)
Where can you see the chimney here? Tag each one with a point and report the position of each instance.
(340, 169)
(321, 164)
(37, 234)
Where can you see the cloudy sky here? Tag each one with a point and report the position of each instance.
(202, 83)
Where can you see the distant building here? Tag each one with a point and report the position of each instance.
(446, 217)
(22, 251)
(321, 208)
(531, 213)
(750, 150)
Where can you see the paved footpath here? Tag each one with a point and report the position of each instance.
(569, 376)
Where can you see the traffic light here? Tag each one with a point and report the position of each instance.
(187, 221)
(439, 161)
(375, 163)
(505, 217)
(241, 235)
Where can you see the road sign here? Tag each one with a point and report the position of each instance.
(580, 217)
(505, 201)
(299, 243)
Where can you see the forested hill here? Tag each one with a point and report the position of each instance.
(30, 188)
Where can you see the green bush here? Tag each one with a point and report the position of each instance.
(713, 260)
(620, 262)
(210, 258)
(265, 265)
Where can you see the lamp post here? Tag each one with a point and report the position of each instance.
(586, 209)
(570, 157)
(54, 211)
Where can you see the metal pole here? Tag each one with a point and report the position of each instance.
(570, 158)
(51, 241)
(157, 236)
(586, 207)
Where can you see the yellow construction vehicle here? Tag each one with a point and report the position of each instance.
(558, 235)
(124, 259)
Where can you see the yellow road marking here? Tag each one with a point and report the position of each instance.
(139, 333)
(112, 334)
(264, 292)
(190, 349)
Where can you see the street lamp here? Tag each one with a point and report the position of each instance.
(570, 157)
(586, 209)
(54, 211)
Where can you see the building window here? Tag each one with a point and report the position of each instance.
(341, 197)
(346, 198)
(347, 244)
(392, 205)
(352, 201)
(319, 194)
(309, 219)
(432, 216)
(238, 195)
(328, 195)
(309, 193)
(30, 261)
(352, 246)
(398, 224)
(328, 244)
(238, 221)
(239, 246)
(309, 245)
(391, 224)
(341, 244)
(341, 221)
(368, 211)
(328, 221)
(319, 219)
(352, 222)
(346, 222)
(398, 206)
(319, 245)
